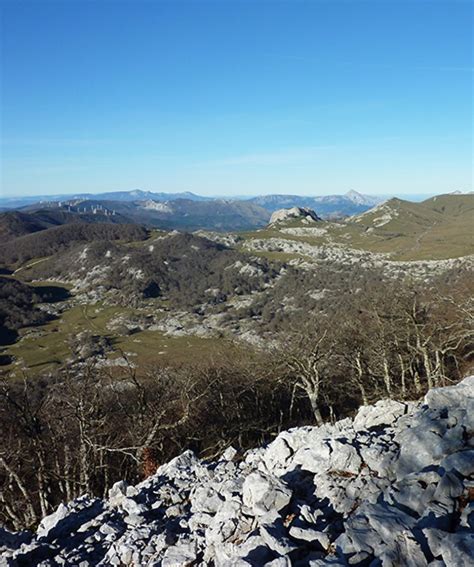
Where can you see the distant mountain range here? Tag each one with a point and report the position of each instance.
(327, 206)
(182, 211)
(182, 214)
(186, 210)
(133, 195)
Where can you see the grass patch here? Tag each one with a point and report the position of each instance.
(47, 346)
(151, 347)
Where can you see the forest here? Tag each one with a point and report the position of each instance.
(80, 429)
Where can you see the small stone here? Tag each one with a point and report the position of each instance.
(263, 493)
(279, 562)
(229, 454)
(310, 534)
(205, 499)
(463, 462)
(182, 555)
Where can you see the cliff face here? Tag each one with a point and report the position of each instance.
(393, 486)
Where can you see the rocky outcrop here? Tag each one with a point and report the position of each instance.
(312, 255)
(304, 213)
(393, 486)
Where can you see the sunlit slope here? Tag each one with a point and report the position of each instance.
(438, 228)
(452, 205)
(441, 227)
(397, 215)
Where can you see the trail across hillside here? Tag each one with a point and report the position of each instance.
(31, 264)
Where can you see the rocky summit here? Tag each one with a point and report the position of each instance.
(304, 213)
(393, 486)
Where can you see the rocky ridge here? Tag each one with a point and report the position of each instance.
(393, 486)
(311, 255)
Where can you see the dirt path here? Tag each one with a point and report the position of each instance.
(29, 265)
(90, 322)
(419, 238)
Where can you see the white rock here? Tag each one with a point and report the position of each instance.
(379, 490)
(205, 499)
(264, 493)
(456, 550)
(51, 521)
(344, 457)
(182, 555)
(310, 534)
(229, 454)
(384, 412)
(453, 396)
(294, 212)
(463, 462)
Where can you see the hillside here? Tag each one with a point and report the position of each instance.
(52, 240)
(185, 269)
(221, 215)
(147, 292)
(20, 223)
(454, 205)
(436, 229)
(16, 223)
(141, 289)
(393, 486)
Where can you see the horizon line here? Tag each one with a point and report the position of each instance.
(235, 196)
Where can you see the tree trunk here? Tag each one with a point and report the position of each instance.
(386, 377)
(313, 400)
(360, 381)
(402, 376)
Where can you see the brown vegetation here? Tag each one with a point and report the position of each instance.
(83, 429)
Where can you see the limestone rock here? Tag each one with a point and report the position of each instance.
(293, 213)
(263, 493)
(393, 486)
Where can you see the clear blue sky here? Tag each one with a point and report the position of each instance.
(236, 97)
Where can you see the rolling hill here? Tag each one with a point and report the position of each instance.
(16, 223)
(52, 240)
(438, 228)
(20, 223)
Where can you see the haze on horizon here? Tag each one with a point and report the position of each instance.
(236, 98)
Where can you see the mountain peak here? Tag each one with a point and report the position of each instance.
(353, 193)
(360, 199)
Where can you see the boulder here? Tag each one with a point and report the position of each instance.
(454, 396)
(263, 493)
(383, 413)
(304, 213)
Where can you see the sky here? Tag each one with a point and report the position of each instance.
(236, 97)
